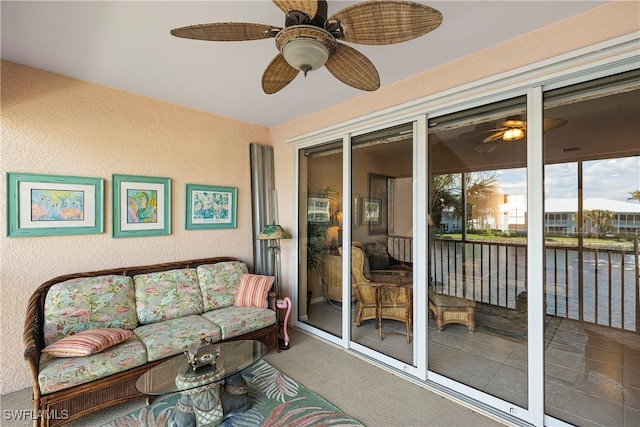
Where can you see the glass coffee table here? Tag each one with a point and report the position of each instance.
(201, 403)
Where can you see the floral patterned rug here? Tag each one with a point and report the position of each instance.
(277, 401)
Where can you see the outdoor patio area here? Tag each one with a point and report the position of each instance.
(589, 368)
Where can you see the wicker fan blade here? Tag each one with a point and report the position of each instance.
(310, 7)
(379, 22)
(225, 31)
(277, 75)
(353, 68)
(550, 123)
(493, 137)
(494, 130)
(515, 124)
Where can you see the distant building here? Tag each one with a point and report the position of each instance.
(560, 216)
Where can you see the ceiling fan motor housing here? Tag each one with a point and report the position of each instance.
(296, 17)
(305, 47)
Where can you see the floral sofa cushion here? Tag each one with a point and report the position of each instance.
(88, 303)
(164, 339)
(167, 295)
(234, 321)
(219, 283)
(57, 373)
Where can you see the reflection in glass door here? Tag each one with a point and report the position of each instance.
(592, 227)
(478, 249)
(382, 241)
(321, 201)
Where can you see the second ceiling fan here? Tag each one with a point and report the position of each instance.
(310, 40)
(515, 128)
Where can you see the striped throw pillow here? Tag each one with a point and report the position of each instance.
(253, 290)
(87, 342)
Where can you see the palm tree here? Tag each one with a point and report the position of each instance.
(481, 191)
(599, 220)
(635, 195)
(442, 195)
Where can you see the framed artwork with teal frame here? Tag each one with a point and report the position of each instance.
(141, 206)
(210, 207)
(51, 205)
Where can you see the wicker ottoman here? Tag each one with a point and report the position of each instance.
(449, 309)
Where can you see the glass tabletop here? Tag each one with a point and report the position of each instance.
(234, 357)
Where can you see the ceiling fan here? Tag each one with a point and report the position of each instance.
(514, 128)
(309, 39)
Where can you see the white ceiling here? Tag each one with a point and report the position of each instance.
(126, 45)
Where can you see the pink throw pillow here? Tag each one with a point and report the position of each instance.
(253, 290)
(87, 342)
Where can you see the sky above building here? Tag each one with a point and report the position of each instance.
(612, 179)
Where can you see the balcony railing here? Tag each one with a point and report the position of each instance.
(401, 248)
(589, 284)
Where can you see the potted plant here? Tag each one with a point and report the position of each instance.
(318, 244)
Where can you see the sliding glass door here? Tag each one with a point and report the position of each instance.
(592, 227)
(320, 230)
(492, 250)
(477, 249)
(382, 240)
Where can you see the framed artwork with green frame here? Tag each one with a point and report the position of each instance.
(50, 205)
(141, 206)
(210, 207)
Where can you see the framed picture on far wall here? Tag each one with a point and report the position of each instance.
(211, 207)
(378, 190)
(318, 209)
(141, 206)
(371, 211)
(48, 205)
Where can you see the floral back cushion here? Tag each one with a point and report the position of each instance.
(167, 295)
(219, 283)
(88, 303)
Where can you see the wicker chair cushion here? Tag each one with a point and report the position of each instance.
(219, 283)
(167, 295)
(89, 303)
(240, 320)
(164, 339)
(58, 373)
(87, 342)
(379, 261)
(377, 248)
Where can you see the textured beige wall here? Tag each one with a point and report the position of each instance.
(56, 125)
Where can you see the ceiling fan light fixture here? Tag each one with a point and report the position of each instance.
(305, 47)
(305, 54)
(513, 134)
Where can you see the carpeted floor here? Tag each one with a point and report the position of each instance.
(368, 393)
(277, 400)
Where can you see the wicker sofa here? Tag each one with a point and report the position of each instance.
(147, 313)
